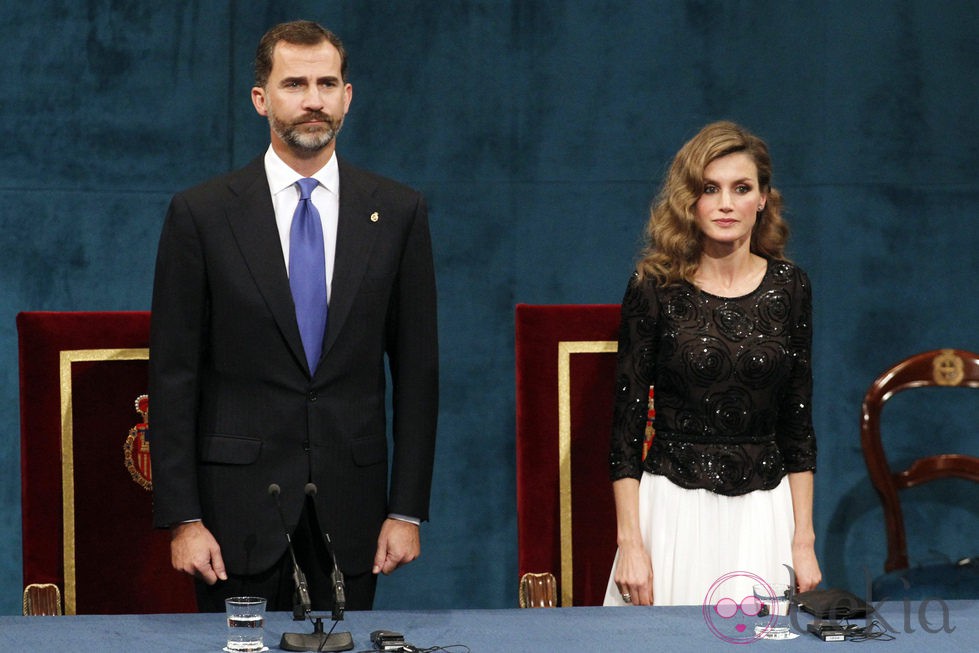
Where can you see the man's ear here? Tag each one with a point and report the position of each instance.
(258, 100)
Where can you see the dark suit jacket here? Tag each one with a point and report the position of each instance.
(234, 407)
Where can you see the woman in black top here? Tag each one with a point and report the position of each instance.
(719, 323)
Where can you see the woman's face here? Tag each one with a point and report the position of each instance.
(729, 203)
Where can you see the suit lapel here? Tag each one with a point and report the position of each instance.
(355, 238)
(252, 221)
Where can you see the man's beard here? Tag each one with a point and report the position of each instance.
(303, 137)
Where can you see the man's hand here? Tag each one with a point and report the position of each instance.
(193, 550)
(398, 544)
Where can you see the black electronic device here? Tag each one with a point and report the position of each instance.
(388, 640)
(832, 604)
(831, 631)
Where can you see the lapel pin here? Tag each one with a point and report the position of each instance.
(375, 216)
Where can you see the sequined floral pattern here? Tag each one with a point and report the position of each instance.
(733, 383)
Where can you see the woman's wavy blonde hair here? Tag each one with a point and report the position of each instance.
(674, 243)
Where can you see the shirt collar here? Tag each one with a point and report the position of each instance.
(281, 176)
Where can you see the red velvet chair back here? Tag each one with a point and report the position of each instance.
(85, 478)
(565, 368)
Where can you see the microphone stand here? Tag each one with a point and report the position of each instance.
(336, 576)
(302, 604)
(318, 640)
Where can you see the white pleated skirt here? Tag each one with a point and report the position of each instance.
(701, 542)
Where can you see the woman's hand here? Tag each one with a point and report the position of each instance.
(634, 569)
(807, 574)
(634, 574)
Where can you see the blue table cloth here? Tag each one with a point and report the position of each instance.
(917, 626)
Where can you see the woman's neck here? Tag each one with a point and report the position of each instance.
(732, 274)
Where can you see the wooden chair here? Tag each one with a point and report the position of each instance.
(42, 599)
(957, 579)
(565, 367)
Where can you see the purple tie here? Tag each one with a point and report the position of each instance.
(307, 273)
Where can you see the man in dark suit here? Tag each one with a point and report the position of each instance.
(242, 400)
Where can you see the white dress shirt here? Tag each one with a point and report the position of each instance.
(325, 197)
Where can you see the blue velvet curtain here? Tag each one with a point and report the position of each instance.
(539, 131)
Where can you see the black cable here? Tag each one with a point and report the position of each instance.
(326, 637)
(872, 631)
(408, 648)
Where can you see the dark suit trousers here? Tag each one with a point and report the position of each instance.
(277, 586)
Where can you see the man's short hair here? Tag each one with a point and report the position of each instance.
(297, 32)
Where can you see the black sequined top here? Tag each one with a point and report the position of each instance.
(733, 383)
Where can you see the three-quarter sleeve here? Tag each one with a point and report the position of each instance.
(795, 435)
(635, 373)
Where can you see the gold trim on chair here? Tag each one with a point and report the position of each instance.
(565, 349)
(67, 451)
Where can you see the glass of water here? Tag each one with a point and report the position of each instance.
(773, 622)
(246, 624)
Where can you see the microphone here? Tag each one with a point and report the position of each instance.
(336, 576)
(318, 640)
(302, 605)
